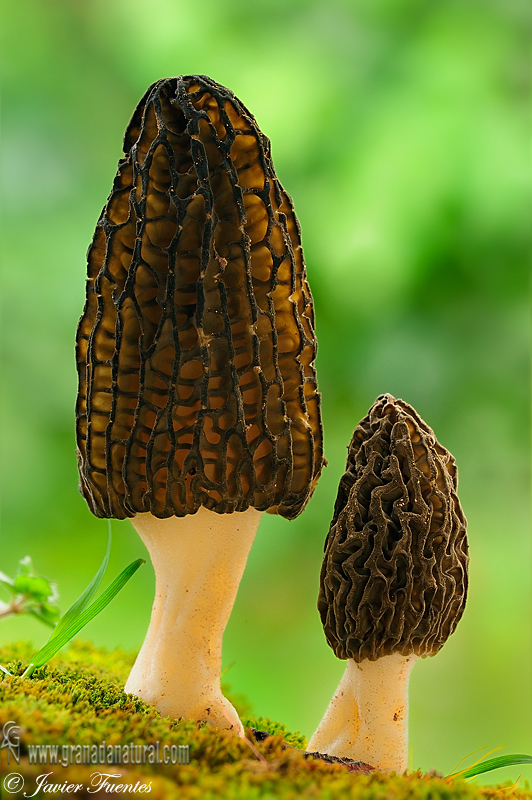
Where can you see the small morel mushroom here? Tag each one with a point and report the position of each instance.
(198, 405)
(393, 582)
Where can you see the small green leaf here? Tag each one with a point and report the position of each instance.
(491, 764)
(45, 613)
(50, 612)
(67, 632)
(33, 587)
(84, 599)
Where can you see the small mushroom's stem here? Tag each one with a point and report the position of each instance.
(367, 719)
(198, 561)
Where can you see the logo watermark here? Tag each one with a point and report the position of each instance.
(11, 740)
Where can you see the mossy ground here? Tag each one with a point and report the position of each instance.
(78, 700)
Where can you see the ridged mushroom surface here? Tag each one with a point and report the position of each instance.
(394, 575)
(196, 347)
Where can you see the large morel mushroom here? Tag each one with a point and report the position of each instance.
(198, 405)
(393, 582)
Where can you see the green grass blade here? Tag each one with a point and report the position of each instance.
(6, 671)
(84, 599)
(493, 763)
(56, 642)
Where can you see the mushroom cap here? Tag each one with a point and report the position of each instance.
(196, 346)
(394, 575)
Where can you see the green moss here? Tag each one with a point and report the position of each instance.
(78, 700)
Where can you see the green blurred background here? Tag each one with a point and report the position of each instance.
(398, 129)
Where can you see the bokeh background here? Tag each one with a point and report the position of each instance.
(398, 129)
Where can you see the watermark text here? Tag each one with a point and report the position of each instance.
(103, 753)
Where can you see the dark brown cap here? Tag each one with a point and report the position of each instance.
(394, 576)
(196, 346)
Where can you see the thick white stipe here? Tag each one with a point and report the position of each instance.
(367, 719)
(198, 561)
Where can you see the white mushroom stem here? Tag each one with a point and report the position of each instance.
(198, 561)
(367, 719)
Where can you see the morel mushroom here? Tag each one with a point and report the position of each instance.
(393, 582)
(198, 405)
